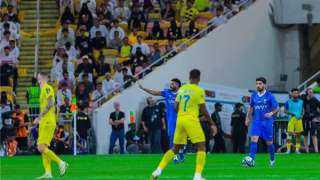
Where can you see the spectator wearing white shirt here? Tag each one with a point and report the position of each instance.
(108, 84)
(122, 12)
(118, 76)
(13, 27)
(63, 93)
(64, 66)
(143, 46)
(98, 27)
(7, 58)
(6, 27)
(65, 25)
(71, 51)
(65, 3)
(15, 52)
(115, 27)
(66, 37)
(5, 40)
(219, 19)
(98, 93)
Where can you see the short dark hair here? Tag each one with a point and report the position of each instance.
(177, 81)
(64, 30)
(238, 105)
(195, 74)
(262, 79)
(294, 89)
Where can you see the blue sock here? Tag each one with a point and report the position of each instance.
(253, 149)
(271, 151)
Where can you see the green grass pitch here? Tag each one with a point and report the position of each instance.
(218, 166)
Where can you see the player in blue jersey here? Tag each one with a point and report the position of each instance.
(262, 110)
(171, 115)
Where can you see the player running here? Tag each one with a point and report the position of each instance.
(294, 108)
(47, 125)
(263, 108)
(190, 99)
(171, 115)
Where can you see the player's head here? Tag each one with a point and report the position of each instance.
(261, 84)
(239, 106)
(175, 84)
(194, 76)
(295, 93)
(42, 78)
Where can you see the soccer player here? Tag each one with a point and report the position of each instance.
(171, 115)
(47, 125)
(263, 108)
(294, 108)
(189, 100)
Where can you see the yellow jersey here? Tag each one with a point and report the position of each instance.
(190, 96)
(47, 92)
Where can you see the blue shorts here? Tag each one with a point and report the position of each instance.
(263, 129)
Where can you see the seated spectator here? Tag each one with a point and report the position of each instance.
(65, 38)
(133, 141)
(15, 52)
(71, 51)
(133, 37)
(6, 105)
(63, 93)
(62, 66)
(108, 84)
(8, 57)
(33, 97)
(168, 13)
(192, 31)
(65, 108)
(136, 18)
(156, 54)
(61, 140)
(202, 5)
(98, 93)
(147, 7)
(12, 35)
(68, 79)
(21, 123)
(98, 42)
(116, 28)
(12, 26)
(8, 72)
(83, 41)
(219, 18)
(5, 39)
(116, 42)
(190, 13)
(12, 16)
(67, 16)
(83, 123)
(65, 25)
(84, 66)
(63, 4)
(98, 27)
(122, 13)
(90, 5)
(143, 46)
(174, 32)
(85, 21)
(127, 79)
(116, 120)
(125, 50)
(138, 61)
(118, 76)
(104, 13)
(87, 83)
(157, 32)
(83, 96)
(101, 66)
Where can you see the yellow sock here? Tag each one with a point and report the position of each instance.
(298, 146)
(288, 146)
(201, 159)
(168, 156)
(51, 155)
(46, 163)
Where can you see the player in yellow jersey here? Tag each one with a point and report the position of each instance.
(190, 99)
(47, 125)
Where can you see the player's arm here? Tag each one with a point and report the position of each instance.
(249, 115)
(150, 91)
(46, 110)
(286, 109)
(275, 107)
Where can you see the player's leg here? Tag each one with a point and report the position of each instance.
(46, 162)
(306, 130)
(255, 132)
(113, 139)
(289, 142)
(290, 134)
(313, 132)
(298, 131)
(267, 135)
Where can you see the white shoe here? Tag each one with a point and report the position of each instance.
(45, 176)
(288, 152)
(156, 174)
(272, 163)
(198, 177)
(298, 152)
(63, 168)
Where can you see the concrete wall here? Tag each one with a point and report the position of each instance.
(233, 55)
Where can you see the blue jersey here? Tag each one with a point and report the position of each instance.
(171, 114)
(295, 107)
(262, 104)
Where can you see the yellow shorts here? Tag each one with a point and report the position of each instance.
(46, 133)
(295, 125)
(188, 126)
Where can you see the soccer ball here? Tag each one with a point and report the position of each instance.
(247, 162)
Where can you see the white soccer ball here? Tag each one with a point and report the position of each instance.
(247, 161)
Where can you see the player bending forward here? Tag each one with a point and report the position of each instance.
(47, 125)
(189, 100)
(263, 108)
